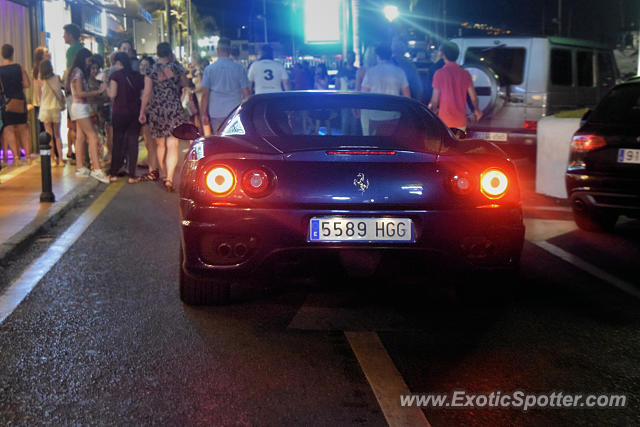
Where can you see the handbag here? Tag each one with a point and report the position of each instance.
(16, 106)
(11, 105)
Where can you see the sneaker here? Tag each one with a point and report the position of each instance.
(100, 176)
(82, 173)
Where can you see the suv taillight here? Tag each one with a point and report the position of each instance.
(584, 143)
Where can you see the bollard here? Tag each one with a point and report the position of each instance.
(45, 164)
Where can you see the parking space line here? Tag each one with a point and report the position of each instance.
(591, 269)
(385, 380)
(21, 287)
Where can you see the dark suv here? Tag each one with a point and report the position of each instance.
(603, 177)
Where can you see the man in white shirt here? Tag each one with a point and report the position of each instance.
(224, 85)
(384, 78)
(268, 75)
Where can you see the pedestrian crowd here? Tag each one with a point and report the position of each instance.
(110, 107)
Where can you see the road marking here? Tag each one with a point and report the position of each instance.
(537, 229)
(21, 287)
(342, 311)
(385, 380)
(591, 269)
(15, 172)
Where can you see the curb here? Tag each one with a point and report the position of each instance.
(42, 222)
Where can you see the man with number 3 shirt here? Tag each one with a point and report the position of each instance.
(268, 75)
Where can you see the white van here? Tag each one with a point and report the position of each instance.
(522, 79)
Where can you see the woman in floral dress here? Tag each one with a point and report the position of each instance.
(163, 84)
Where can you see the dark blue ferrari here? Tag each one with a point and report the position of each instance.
(307, 177)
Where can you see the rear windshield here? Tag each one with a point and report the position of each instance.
(308, 123)
(620, 106)
(506, 62)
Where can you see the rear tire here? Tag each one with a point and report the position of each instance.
(201, 291)
(595, 222)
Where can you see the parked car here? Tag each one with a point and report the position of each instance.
(603, 177)
(296, 176)
(522, 79)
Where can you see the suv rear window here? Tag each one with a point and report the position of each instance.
(621, 106)
(507, 62)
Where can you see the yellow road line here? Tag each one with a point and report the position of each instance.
(21, 287)
(385, 380)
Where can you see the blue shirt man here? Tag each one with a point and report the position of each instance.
(224, 85)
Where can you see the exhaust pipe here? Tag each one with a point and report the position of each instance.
(224, 249)
(240, 250)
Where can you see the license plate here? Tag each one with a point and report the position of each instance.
(626, 155)
(341, 229)
(491, 136)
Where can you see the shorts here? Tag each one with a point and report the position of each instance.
(49, 116)
(80, 111)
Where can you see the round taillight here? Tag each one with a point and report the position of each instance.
(493, 183)
(461, 183)
(220, 180)
(256, 182)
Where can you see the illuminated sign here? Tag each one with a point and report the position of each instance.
(146, 15)
(322, 21)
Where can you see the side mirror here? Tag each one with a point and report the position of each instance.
(458, 133)
(186, 132)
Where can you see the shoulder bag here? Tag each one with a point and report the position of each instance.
(12, 105)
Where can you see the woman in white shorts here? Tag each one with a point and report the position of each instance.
(52, 102)
(81, 115)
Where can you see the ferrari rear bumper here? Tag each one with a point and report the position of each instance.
(235, 242)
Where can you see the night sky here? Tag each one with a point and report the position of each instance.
(589, 19)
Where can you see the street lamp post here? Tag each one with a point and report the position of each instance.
(264, 20)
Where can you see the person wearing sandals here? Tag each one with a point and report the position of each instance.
(81, 115)
(52, 102)
(149, 142)
(125, 86)
(163, 84)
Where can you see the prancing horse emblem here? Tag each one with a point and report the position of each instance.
(361, 183)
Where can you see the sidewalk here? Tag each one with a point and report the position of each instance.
(22, 215)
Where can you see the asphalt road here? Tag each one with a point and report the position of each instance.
(104, 339)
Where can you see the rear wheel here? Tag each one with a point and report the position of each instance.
(201, 291)
(596, 222)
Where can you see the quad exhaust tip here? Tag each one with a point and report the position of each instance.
(224, 249)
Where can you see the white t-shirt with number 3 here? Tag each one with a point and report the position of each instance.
(267, 75)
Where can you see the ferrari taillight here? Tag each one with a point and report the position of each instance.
(493, 183)
(256, 182)
(460, 183)
(221, 180)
